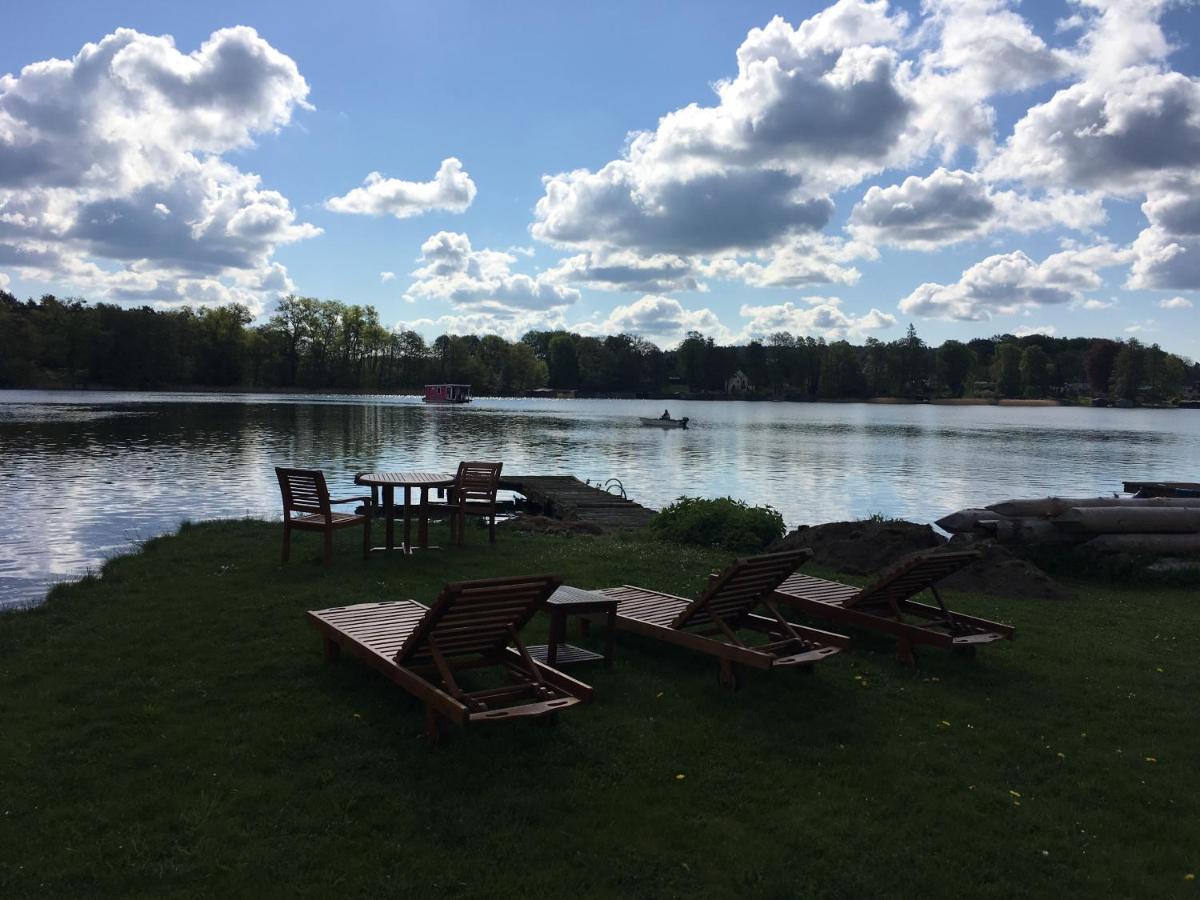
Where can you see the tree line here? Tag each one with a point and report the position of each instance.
(325, 344)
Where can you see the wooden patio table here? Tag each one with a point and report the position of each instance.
(574, 601)
(388, 482)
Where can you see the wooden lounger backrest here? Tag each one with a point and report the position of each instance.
(912, 576)
(741, 587)
(476, 618)
(303, 490)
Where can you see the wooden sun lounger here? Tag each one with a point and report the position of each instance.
(887, 605)
(470, 625)
(710, 623)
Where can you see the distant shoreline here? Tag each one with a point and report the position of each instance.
(656, 398)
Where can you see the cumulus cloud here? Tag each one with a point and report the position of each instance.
(1009, 283)
(451, 190)
(1120, 134)
(385, 277)
(802, 262)
(113, 156)
(481, 280)
(663, 320)
(811, 109)
(979, 48)
(1176, 303)
(623, 270)
(4, 282)
(821, 317)
(509, 324)
(1167, 253)
(946, 207)
(1027, 330)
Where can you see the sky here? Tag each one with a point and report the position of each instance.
(839, 170)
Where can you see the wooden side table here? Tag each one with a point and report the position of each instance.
(572, 601)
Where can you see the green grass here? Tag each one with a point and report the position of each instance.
(170, 728)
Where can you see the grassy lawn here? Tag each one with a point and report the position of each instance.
(170, 728)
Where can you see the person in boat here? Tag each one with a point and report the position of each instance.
(666, 416)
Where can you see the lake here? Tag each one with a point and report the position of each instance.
(86, 475)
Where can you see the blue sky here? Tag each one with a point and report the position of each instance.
(750, 216)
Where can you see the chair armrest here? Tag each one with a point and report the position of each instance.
(352, 500)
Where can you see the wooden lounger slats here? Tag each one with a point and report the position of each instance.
(887, 604)
(470, 625)
(710, 623)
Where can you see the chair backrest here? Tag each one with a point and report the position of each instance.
(734, 593)
(912, 576)
(477, 482)
(303, 490)
(474, 618)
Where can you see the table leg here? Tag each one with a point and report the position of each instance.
(558, 628)
(407, 519)
(423, 528)
(389, 513)
(609, 630)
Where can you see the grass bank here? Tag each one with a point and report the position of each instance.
(170, 728)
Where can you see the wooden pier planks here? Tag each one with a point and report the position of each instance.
(566, 497)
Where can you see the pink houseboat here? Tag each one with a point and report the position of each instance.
(447, 393)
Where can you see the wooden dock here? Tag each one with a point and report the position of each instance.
(566, 497)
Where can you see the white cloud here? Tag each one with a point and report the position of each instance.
(663, 320)
(4, 282)
(1122, 134)
(1176, 303)
(1167, 253)
(451, 190)
(385, 277)
(1093, 305)
(509, 325)
(802, 262)
(1027, 330)
(1148, 325)
(822, 317)
(946, 207)
(1009, 283)
(481, 280)
(811, 109)
(623, 270)
(982, 48)
(111, 179)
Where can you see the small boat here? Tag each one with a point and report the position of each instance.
(447, 393)
(664, 423)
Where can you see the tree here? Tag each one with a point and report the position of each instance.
(1006, 369)
(1098, 364)
(954, 363)
(1129, 370)
(841, 377)
(1035, 372)
(563, 362)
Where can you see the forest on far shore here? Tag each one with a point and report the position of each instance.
(325, 344)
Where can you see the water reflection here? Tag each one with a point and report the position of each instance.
(86, 474)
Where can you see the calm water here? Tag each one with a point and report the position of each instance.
(85, 475)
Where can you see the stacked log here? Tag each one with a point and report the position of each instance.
(1149, 527)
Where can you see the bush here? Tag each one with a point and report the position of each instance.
(725, 523)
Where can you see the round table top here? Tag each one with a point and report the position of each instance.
(404, 479)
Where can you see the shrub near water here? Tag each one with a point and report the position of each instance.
(725, 523)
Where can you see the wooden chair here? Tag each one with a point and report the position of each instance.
(307, 497)
(472, 494)
(887, 605)
(710, 624)
(469, 626)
